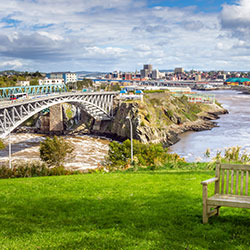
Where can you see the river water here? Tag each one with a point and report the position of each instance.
(89, 151)
(233, 130)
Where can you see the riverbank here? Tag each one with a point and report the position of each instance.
(205, 121)
(232, 130)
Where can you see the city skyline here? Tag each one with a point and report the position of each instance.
(123, 35)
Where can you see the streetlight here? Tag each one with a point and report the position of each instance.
(131, 137)
(9, 152)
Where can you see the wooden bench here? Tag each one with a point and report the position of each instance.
(231, 189)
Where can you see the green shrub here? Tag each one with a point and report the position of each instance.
(33, 169)
(54, 151)
(155, 101)
(147, 117)
(169, 113)
(2, 146)
(154, 91)
(232, 155)
(151, 156)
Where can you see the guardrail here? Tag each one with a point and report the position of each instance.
(198, 98)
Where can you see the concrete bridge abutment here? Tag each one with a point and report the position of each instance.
(56, 119)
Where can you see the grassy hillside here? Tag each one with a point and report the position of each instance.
(163, 109)
(144, 210)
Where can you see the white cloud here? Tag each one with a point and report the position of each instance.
(237, 15)
(15, 64)
(236, 19)
(52, 36)
(117, 34)
(106, 52)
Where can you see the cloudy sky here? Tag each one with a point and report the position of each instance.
(107, 35)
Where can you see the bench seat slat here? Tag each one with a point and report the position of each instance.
(222, 181)
(241, 182)
(232, 181)
(237, 182)
(246, 193)
(227, 182)
(229, 201)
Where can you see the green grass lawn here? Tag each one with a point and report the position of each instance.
(143, 210)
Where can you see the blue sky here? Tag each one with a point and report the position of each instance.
(100, 35)
(205, 6)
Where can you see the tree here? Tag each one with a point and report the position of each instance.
(55, 151)
(2, 146)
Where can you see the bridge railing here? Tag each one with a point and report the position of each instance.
(198, 98)
(32, 90)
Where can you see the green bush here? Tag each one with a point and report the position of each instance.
(151, 156)
(54, 151)
(147, 117)
(2, 146)
(33, 169)
(233, 155)
(154, 91)
(142, 124)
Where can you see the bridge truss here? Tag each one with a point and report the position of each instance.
(13, 114)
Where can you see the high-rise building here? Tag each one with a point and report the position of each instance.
(146, 72)
(149, 67)
(155, 74)
(178, 70)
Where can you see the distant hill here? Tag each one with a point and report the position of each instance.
(90, 73)
(166, 70)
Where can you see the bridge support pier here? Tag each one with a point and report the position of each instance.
(97, 125)
(56, 119)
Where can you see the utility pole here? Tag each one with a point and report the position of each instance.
(131, 137)
(9, 151)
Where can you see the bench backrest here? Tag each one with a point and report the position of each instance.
(233, 179)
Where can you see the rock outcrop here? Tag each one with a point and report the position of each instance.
(160, 119)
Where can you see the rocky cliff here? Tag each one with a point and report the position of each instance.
(160, 118)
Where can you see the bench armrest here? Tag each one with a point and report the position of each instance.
(210, 181)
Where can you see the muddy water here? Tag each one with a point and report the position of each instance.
(89, 151)
(233, 130)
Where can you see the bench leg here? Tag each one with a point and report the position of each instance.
(205, 215)
(204, 203)
(218, 211)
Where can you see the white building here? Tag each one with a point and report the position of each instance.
(50, 81)
(70, 77)
(67, 76)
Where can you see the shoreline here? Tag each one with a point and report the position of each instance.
(206, 121)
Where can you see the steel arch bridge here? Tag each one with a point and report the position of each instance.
(13, 113)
